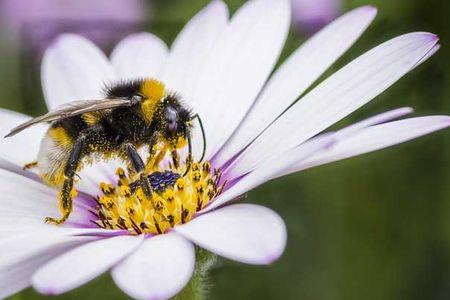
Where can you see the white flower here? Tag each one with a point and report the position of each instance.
(222, 69)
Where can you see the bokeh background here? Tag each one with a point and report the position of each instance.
(372, 227)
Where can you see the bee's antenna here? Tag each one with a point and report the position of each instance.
(189, 159)
(196, 116)
(189, 138)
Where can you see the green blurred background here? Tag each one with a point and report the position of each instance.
(372, 227)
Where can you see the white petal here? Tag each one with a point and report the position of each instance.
(14, 225)
(311, 152)
(23, 147)
(73, 68)
(189, 52)
(246, 233)
(158, 269)
(9, 166)
(297, 156)
(23, 254)
(92, 176)
(17, 276)
(372, 139)
(193, 59)
(14, 279)
(248, 51)
(139, 55)
(429, 54)
(266, 172)
(82, 264)
(29, 198)
(341, 94)
(32, 244)
(374, 120)
(296, 74)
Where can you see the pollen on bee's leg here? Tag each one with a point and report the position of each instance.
(174, 199)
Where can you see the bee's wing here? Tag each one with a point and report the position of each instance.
(72, 109)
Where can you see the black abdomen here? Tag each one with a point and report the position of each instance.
(73, 125)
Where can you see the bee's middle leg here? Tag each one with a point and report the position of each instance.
(67, 192)
(138, 166)
(30, 165)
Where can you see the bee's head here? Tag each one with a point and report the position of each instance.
(175, 122)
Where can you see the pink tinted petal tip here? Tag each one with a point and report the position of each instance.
(246, 233)
(277, 253)
(216, 5)
(405, 110)
(432, 51)
(443, 121)
(47, 290)
(424, 36)
(370, 9)
(431, 36)
(61, 38)
(446, 119)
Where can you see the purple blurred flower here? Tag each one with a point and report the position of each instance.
(311, 15)
(38, 22)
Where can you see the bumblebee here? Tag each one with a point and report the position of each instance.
(132, 115)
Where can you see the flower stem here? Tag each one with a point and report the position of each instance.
(198, 286)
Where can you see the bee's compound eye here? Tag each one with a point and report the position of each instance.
(135, 99)
(171, 119)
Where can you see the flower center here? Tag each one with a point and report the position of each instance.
(174, 199)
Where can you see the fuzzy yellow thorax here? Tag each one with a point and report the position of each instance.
(153, 91)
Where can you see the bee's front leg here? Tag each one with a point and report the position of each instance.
(175, 158)
(68, 192)
(154, 154)
(138, 166)
(153, 161)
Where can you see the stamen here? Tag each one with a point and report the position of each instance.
(173, 200)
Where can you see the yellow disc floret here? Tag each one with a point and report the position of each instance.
(174, 199)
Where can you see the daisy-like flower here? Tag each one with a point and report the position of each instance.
(222, 69)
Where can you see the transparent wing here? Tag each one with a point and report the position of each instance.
(72, 109)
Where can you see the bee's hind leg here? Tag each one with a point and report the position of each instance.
(67, 192)
(138, 166)
(65, 202)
